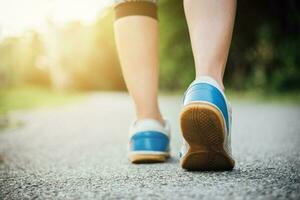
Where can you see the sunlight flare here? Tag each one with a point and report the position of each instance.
(17, 16)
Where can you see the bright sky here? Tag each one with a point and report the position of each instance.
(19, 15)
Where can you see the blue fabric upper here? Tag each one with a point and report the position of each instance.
(149, 141)
(207, 93)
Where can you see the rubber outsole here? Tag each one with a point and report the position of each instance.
(147, 158)
(203, 129)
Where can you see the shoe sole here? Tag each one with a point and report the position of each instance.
(203, 128)
(147, 158)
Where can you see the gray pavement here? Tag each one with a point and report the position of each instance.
(78, 151)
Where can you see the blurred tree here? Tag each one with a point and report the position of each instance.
(18, 58)
(176, 70)
(264, 52)
(84, 57)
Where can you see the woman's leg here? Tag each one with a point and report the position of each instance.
(210, 25)
(136, 33)
(206, 116)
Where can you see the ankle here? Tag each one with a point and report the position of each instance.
(217, 78)
(155, 116)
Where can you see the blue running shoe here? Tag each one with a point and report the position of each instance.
(149, 141)
(206, 127)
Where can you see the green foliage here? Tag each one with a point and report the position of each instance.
(18, 57)
(264, 54)
(176, 58)
(32, 96)
(74, 56)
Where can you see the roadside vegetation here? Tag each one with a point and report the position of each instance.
(28, 97)
(74, 58)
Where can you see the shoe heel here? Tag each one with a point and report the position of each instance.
(149, 148)
(203, 129)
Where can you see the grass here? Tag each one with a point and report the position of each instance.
(28, 97)
(264, 97)
(255, 96)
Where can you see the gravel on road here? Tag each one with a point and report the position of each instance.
(78, 151)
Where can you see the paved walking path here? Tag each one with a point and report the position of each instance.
(78, 151)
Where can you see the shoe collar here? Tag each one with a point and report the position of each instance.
(211, 81)
(149, 125)
(207, 80)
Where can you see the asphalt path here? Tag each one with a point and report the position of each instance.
(78, 151)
